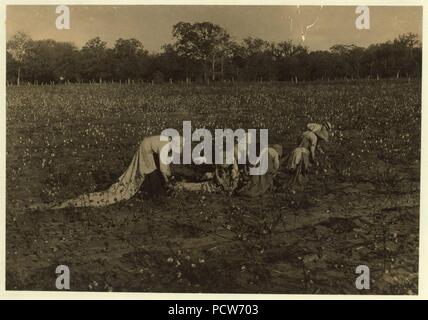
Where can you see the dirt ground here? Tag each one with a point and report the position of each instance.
(360, 208)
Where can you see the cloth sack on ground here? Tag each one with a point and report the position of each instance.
(128, 184)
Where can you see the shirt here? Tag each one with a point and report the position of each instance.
(309, 139)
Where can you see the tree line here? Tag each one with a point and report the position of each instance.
(205, 52)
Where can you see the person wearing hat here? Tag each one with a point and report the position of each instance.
(303, 156)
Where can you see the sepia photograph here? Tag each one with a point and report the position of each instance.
(234, 149)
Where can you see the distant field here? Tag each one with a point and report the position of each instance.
(362, 207)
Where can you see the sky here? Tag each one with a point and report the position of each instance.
(152, 25)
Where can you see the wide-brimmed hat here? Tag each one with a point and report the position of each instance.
(322, 133)
(327, 125)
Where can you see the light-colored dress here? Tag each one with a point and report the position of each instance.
(142, 164)
(300, 155)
